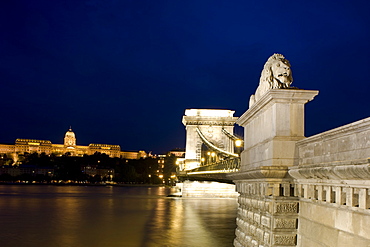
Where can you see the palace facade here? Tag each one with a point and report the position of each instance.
(22, 146)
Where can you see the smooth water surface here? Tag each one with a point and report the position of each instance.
(78, 216)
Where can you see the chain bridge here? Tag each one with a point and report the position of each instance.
(212, 148)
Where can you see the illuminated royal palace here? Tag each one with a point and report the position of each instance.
(22, 146)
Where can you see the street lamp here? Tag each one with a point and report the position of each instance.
(238, 143)
(213, 154)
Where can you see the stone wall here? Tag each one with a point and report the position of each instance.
(332, 177)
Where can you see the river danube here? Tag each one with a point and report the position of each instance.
(78, 216)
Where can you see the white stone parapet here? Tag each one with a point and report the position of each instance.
(341, 153)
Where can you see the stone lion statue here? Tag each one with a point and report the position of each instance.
(275, 74)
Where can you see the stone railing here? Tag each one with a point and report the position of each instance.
(334, 166)
(345, 195)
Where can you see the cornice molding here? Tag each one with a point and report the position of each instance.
(297, 96)
(209, 123)
(360, 170)
(214, 121)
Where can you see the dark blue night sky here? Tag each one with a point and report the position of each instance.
(123, 72)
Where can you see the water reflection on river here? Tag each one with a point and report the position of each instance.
(74, 216)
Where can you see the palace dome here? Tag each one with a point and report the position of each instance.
(70, 133)
(70, 138)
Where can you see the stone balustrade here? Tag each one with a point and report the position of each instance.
(344, 195)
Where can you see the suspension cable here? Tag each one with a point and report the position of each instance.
(212, 146)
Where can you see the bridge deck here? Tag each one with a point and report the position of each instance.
(215, 171)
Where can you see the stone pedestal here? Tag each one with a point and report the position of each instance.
(268, 209)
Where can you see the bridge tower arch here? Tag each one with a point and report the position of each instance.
(209, 126)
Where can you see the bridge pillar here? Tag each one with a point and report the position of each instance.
(210, 122)
(268, 209)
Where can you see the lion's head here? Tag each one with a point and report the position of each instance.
(276, 72)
